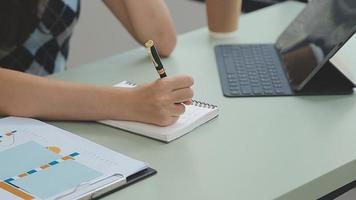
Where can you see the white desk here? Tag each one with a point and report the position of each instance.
(258, 148)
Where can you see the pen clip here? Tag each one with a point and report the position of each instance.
(149, 45)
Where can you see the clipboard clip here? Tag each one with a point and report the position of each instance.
(98, 191)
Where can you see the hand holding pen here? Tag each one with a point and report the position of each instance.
(156, 60)
(159, 102)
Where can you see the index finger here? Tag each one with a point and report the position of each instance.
(180, 82)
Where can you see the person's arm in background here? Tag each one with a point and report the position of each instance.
(26, 95)
(146, 20)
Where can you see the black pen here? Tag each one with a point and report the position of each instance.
(156, 60)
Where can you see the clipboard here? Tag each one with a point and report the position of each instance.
(114, 183)
(116, 186)
(46, 162)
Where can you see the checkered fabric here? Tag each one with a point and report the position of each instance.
(46, 49)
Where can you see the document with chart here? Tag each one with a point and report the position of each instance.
(40, 161)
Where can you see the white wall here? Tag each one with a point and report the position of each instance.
(98, 34)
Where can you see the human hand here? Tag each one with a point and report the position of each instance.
(162, 101)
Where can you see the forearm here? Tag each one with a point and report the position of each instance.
(146, 20)
(29, 96)
(118, 8)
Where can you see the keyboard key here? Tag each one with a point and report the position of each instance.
(266, 84)
(279, 91)
(268, 92)
(257, 90)
(229, 66)
(245, 90)
(233, 84)
(232, 80)
(231, 76)
(267, 87)
(234, 92)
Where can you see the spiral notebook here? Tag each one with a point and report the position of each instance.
(195, 115)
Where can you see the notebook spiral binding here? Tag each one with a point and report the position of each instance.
(195, 102)
(130, 83)
(203, 104)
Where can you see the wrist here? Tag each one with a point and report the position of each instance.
(121, 103)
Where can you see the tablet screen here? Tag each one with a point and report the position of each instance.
(317, 30)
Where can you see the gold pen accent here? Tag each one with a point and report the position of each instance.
(161, 71)
(149, 44)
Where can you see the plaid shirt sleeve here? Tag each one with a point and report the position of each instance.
(46, 50)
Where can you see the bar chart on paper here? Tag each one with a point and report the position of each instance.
(33, 169)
